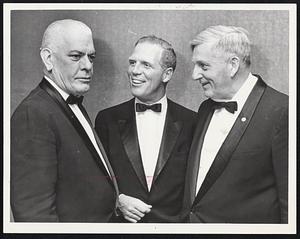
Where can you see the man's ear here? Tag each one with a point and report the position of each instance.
(234, 65)
(167, 75)
(46, 55)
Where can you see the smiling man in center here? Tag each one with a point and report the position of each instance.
(148, 138)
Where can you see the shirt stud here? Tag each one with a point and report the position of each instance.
(243, 119)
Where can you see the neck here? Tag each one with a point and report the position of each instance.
(239, 80)
(148, 102)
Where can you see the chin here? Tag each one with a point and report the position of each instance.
(136, 93)
(208, 94)
(82, 91)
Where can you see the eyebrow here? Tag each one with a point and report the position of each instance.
(76, 51)
(142, 62)
(200, 61)
(81, 53)
(147, 62)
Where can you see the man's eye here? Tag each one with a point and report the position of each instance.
(203, 66)
(147, 65)
(75, 57)
(92, 58)
(131, 63)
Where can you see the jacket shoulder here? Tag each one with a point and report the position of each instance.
(275, 97)
(37, 102)
(271, 98)
(115, 111)
(181, 111)
(275, 105)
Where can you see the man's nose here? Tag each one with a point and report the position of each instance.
(86, 63)
(136, 69)
(197, 73)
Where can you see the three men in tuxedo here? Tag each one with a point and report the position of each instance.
(59, 169)
(238, 164)
(147, 139)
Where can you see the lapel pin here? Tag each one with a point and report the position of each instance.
(243, 119)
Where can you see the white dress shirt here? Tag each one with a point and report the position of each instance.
(150, 126)
(83, 121)
(219, 127)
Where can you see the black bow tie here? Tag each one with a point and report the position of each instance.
(230, 106)
(74, 100)
(142, 107)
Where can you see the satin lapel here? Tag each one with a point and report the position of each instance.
(171, 132)
(112, 174)
(128, 132)
(204, 117)
(100, 146)
(45, 85)
(232, 139)
(86, 115)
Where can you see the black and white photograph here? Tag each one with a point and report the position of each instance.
(149, 118)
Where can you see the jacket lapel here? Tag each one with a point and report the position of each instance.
(171, 132)
(204, 116)
(100, 146)
(233, 138)
(45, 85)
(112, 174)
(128, 132)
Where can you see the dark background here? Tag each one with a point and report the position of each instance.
(116, 31)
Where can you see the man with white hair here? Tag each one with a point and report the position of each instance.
(59, 170)
(238, 164)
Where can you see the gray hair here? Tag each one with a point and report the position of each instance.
(168, 57)
(228, 39)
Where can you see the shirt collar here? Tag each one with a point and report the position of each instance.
(163, 101)
(60, 91)
(241, 96)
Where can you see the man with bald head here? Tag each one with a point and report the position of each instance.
(59, 169)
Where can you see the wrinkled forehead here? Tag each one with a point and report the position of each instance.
(207, 51)
(203, 49)
(147, 49)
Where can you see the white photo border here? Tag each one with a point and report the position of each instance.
(169, 228)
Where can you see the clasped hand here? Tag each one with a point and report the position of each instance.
(133, 209)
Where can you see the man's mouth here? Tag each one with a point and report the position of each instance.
(205, 83)
(84, 79)
(136, 82)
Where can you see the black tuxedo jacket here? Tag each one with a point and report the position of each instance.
(248, 180)
(56, 173)
(118, 132)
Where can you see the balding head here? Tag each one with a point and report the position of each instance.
(68, 52)
(59, 31)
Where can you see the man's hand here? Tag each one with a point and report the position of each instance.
(133, 209)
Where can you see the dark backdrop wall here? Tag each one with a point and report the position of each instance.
(116, 31)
